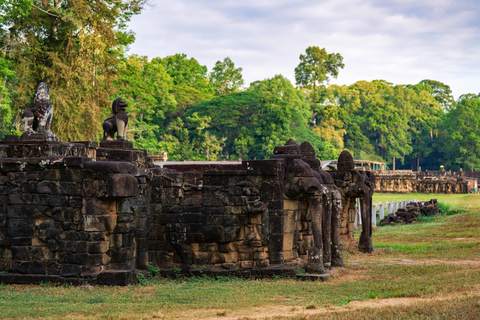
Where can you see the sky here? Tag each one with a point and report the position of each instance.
(400, 41)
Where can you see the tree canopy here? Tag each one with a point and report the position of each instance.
(176, 105)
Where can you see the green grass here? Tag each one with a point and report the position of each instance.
(444, 251)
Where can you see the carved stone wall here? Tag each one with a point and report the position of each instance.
(411, 183)
(102, 214)
(69, 216)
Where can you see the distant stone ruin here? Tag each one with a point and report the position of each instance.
(80, 211)
(410, 213)
(407, 181)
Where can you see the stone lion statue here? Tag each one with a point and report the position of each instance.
(38, 119)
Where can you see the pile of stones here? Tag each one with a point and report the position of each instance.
(411, 212)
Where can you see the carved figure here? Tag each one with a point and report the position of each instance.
(302, 181)
(332, 207)
(356, 184)
(38, 119)
(117, 123)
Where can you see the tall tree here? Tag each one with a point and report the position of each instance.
(225, 78)
(190, 82)
(315, 68)
(145, 86)
(267, 114)
(187, 72)
(463, 134)
(441, 92)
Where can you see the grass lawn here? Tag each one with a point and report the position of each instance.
(427, 270)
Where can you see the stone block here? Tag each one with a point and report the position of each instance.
(116, 277)
(110, 222)
(260, 255)
(290, 204)
(69, 188)
(77, 258)
(192, 200)
(20, 228)
(198, 237)
(262, 263)
(97, 259)
(246, 264)
(94, 223)
(75, 246)
(236, 210)
(191, 218)
(228, 220)
(214, 233)
(15, 199)
(98, 246)
(125, 227)
(231, 233)
(230, 257)
(58, 200)
(212, 201)
(122, 185)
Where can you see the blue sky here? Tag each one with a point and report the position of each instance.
(401, 41)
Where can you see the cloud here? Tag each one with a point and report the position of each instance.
(401, 41)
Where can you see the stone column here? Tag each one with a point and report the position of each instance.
(381, 213)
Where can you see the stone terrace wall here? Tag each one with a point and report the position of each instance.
(413, 183)
(221, 216)
(102, 214)
(71, 218)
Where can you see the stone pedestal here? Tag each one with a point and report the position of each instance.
(33, 136)
(116, 144)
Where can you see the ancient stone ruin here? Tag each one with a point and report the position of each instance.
(410, 213)
(79, 211)
(407, 181)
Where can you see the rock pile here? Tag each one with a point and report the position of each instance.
(411, 212)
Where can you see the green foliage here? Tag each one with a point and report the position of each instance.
(316, 66)
(188, 72)
(254, 122)
(75, 47)
(145, 86)
(462, 128)
(225, 78)
(154, 270)
(190, 139)
(441, 92)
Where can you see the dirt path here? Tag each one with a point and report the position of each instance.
(415, 262)
(271, 312)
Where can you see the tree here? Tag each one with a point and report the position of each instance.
(191, 140)
(190, 82)
(145, 86)
(383, 117)
(75, 47)
(225, 78)
(315, 68)
(441, 92)
(462, 126)
(267, 114)
(188, 72)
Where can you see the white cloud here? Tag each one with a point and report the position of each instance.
(401, 41)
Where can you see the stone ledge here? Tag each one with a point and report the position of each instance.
(116, 144)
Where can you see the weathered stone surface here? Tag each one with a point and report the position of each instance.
(78, 218)
(122, 186)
